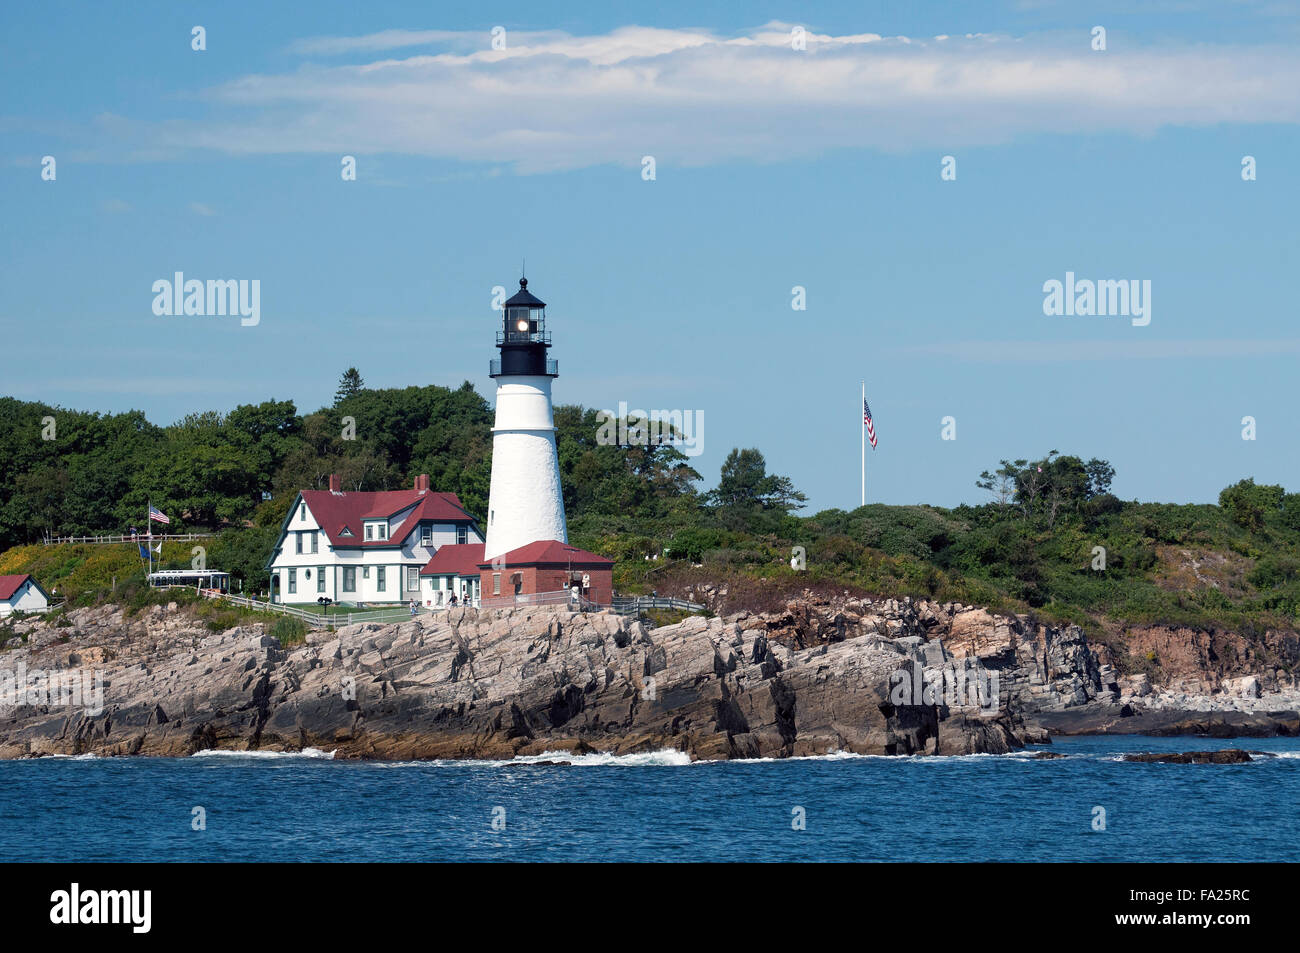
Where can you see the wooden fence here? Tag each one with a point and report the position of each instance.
(124, 538)
(401, 613)
(639, 604)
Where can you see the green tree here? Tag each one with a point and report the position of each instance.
(747, 494)
(1248, 503)
(350, 384)
(1048, 488)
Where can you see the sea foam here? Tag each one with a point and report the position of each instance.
(304, 753)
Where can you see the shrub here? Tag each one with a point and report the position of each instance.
(1247, 502)
(289, 631)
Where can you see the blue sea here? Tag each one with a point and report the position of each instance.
(659, 807)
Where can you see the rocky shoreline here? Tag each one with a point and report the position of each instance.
(820, 676)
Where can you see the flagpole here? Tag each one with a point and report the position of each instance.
(864, 442)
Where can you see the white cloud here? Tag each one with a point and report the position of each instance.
(553, 101)
(198, 208)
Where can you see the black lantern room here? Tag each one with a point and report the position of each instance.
(523, 338)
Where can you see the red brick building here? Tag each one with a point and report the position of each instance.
(546, 571)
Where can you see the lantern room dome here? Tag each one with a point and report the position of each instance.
(524, 298)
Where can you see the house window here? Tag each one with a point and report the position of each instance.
(315, 543)
(298, 543)
(426, 535)
(365, 572)
(462, 534)
(496, 584)
(293, 580)
(370, 531)
(412, 577)
(349, 578)
(379, 578)
(302, 512)
(320, 578)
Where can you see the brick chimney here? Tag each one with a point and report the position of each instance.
(336, 485)
(422, 483)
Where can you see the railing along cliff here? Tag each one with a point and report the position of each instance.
(124, 538)
(640, 604)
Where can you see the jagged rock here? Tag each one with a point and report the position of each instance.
(1225, 756)
(498, 684)
(816, 675)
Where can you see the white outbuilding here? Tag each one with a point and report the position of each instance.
(22, 593)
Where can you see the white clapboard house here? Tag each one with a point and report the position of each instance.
(370, 547)
(22, 594)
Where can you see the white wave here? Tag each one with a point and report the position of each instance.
(833, 755)
(670, 757)
(89, 756)
(304, 753)
(666, 757)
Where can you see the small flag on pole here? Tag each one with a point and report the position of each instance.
(866, 419)
(144, 552)
(157, 515)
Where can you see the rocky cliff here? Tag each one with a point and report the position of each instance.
(468, 684)
(1169, 666)
(820, 675)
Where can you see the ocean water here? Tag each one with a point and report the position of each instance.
(660, 807)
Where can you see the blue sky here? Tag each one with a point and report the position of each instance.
(774, 168)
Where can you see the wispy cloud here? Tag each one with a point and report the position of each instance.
(377, 42)
(689, 96)
(198, 208)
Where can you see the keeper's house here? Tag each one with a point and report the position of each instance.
(21, 594)
(370, 547)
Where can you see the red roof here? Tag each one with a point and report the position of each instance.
(11, 584)
(551, 552)
(334, 511)
(455, 559)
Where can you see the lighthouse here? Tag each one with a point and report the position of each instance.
(525, 504)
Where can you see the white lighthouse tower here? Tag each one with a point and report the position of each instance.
(525, 503)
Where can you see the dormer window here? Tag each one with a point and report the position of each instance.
(376, 531)
(426, 535)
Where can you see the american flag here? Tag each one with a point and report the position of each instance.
(158, 516)
(866, 419)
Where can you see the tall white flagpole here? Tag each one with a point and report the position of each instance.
(864, 442)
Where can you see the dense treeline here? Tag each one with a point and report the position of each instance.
(1051, 538)
(76, 473)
